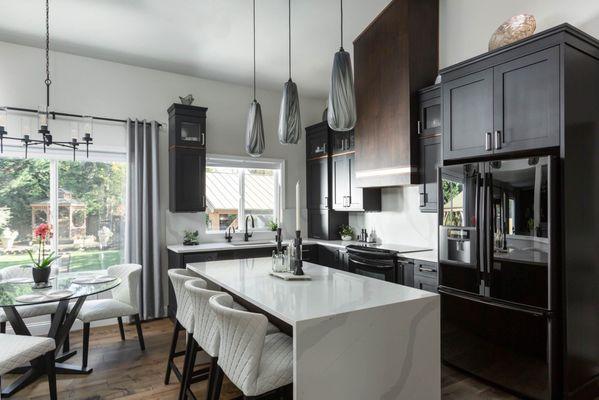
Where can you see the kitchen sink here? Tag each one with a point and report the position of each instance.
(252, 243)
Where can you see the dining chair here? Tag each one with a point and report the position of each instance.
(37, 310)
(18, 350)
(124, 302)
(257, 363)
(183, 319)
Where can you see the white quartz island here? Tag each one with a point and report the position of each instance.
(354, 337)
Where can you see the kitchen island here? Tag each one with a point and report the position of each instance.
(354, 337)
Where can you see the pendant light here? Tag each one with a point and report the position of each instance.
(254, 131)
(341, 115)
(290, 125)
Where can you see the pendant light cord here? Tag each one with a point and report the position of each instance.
(48, 82)
(254, 28)
(341, 24)
(289, 39)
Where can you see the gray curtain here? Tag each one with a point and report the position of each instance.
(143, 213)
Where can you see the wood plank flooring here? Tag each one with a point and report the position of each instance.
(122, 371)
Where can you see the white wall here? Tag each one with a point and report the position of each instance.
(467, 25)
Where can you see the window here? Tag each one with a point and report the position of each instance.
(237, 187)
(90, 199)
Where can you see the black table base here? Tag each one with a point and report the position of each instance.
(59, 330)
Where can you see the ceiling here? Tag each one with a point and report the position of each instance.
(204, 38)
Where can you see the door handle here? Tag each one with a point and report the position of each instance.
(497, 140)
(203, 140)
(419, 127)
(423, 269)
(488, 141)
(326, 201)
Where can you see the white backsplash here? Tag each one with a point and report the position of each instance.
(400, 220)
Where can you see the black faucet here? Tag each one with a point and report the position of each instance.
(228, 234)
(247, 236)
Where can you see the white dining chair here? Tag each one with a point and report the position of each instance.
(37, 310)
(124, 302)
(257, 363)
(17, 350)
(183, 319)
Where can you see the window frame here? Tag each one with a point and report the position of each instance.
(241, 162)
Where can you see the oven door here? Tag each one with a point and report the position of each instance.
(385, 270)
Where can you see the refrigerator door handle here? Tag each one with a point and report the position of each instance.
(489, 234)
(479, 223)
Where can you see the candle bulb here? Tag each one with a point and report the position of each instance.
(297, 206)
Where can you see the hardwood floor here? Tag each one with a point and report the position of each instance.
(122, 371)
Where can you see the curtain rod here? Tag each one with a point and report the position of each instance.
(54, 114)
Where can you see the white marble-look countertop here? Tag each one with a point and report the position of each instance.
(330, 292)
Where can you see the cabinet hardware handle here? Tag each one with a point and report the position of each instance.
(203, 141)
(204, 200)
(419, 127)
(488, 141)
(497, 140)
(422, 269)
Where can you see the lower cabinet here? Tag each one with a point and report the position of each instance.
(425, 276)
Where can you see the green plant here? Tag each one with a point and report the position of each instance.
(273, 225)
(346, 230)
(41, 233)
(191, 236)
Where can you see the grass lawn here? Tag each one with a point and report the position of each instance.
(80, 260)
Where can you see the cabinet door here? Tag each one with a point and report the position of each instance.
(468, 115)
(356, 194)
(317, 142)
(340, 184)
(317, 175)
(429, 121)
(187, 180)
(430, 157)
(318, 224)
(527, 104)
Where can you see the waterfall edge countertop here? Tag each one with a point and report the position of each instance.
(354, 337)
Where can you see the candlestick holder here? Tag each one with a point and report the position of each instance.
(298, 263)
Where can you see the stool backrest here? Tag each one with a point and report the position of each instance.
(242, 337)
(128, 291)
(205, 332)
(178, 277)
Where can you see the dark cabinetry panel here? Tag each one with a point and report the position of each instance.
(425, 276)
(318, 183)
(347, 196)
(526, 101)
(187, 158)
(430, 147)
(324, 224)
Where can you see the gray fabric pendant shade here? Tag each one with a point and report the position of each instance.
(341, 113)
(290, 124)
(254, 131)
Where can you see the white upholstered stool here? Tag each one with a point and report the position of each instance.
(124, 302)
(257, 363)
(184, 318)
(16, 350)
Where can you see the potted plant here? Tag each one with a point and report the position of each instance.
(42, 265)
(191, 238)
(273, 225)
(346, 232)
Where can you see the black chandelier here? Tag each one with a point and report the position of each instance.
(44, 114)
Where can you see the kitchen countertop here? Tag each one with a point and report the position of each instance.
(419, 253)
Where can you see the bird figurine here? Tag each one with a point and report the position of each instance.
(187, 100)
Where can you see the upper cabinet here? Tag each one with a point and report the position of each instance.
(187, 158)
(429, 139)
(393, 57)
(504, 102)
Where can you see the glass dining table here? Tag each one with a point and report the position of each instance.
(65, 288)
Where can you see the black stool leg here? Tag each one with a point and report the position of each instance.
(121, 328)
(140, 335)
(2, 327)
(218, 382)
(188, 366)
(85, 344)
(171, 354)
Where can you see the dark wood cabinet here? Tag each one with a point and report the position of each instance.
(318, 183)
(346, 195)
(317, 141)
(425, 276)
(430, 147)
(468, 115)
(325, 224)
(510, 106)
(526, 102)
(393, 57)
(187, 158)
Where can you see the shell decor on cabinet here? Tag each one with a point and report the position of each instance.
(516, 28)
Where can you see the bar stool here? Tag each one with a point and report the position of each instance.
(184, 318)
(257, 363)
